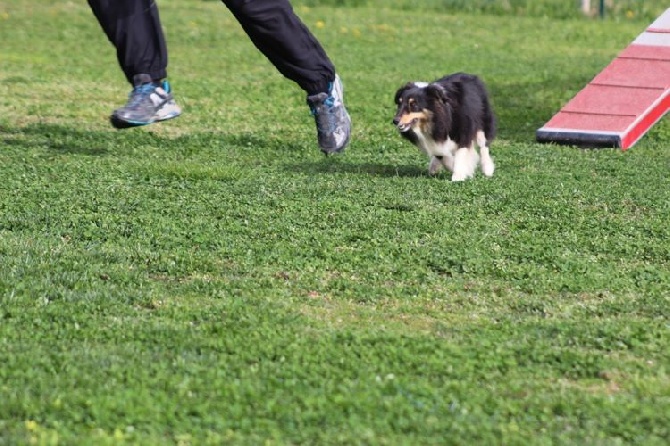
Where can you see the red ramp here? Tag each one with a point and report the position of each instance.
(622, 102)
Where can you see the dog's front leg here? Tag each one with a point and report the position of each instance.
(462, 164)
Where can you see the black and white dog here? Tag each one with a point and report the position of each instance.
(445, 119)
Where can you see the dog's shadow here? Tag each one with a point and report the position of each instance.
(332, 165)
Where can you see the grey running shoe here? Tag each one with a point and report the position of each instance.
(333, 124)
(148, 102)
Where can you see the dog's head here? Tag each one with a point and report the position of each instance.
(417, 102)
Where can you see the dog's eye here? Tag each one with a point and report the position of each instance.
(414, 107)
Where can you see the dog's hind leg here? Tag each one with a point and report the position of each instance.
(435, 165)
(438, 162)
(473, 160)
(448, 162)
(447, 158)
(487, 162)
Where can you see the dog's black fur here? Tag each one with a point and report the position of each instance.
(447, 115)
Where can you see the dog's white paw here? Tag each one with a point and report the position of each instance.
(488, 167)
(487, 162)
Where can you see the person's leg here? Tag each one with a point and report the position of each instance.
(288, 44)
(134, 28)
(282, 37)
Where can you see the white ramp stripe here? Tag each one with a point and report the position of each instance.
(653, 39)
(662, 22)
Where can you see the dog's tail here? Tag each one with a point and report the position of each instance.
(489, 118)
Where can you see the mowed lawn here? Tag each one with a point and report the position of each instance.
(217, 280)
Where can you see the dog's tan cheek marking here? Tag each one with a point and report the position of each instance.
(409, 117)
(426, 121)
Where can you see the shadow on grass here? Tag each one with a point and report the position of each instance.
(64, 139)
(55, 137)
(523, 107)
(332, 165)
(518, 118)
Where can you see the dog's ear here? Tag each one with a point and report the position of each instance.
(401, 90)
(438, 92)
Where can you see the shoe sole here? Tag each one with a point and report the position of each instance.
(121, 124)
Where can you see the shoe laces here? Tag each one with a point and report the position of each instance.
(326, 119)
(140, 94)
(329, 102)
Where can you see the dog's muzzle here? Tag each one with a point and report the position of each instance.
(403, 126)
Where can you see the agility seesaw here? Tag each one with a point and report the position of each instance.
(624, 100)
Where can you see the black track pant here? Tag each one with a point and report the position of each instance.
(134, 28)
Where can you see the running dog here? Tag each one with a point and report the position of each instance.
(445, 119)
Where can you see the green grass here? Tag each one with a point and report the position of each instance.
(216, 280)
(613, 9)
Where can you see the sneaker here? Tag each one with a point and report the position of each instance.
(333, 124)
(148, 102)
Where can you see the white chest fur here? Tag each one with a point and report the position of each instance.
(435, 148)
